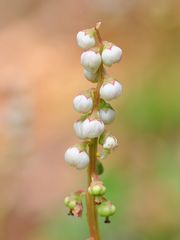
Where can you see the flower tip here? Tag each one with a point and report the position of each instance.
(98, 24)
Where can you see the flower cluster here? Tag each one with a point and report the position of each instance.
(96, 112)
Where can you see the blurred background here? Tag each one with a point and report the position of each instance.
(40, 73)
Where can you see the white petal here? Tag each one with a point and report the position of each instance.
(110, 91)
(107, 57)
(110, 142)
(107, 116)
(116, 54)
(90, 75)
(85, 41)
(70, 155)
(78, 129)
(92, 128)
(111, 55)
(83, 160)
(91, 61)
(82, 104)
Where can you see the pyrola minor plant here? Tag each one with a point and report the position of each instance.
(90, 128)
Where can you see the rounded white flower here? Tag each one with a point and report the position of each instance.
(111, 55)
(91, 61)
(70, 155)
(85, 40)
(83, 160)
(92, 128)
(107, 115)
(110, 90)
(75, 157)
(82, 103)
(78, 129)
(92, 77)
(110, 142)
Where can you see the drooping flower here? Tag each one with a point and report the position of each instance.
(86, 39)
(90, 76)
(110, 142)
(92, 127)
(111, 54)
(83, 103)
(107, 115)
(111, 89)
(91, 60)
(77, 157)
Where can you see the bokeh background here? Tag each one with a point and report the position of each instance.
(40, 73)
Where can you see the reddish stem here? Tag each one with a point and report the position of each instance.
(93, 145)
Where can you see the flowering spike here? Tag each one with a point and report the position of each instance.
(90, 127)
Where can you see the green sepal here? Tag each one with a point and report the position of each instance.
(99, 168)
(102, 138)
(106, 44)
(84, 116)
(104, 105)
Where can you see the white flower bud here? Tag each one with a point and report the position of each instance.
(91, 60)
(92, 77)
(82, 103)
(92, 128)
(85, 40)
(77, 158)
(107, 115)
(78, 129)
(70, 155)
(110, 142)
(110, 90)
(111, 55)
